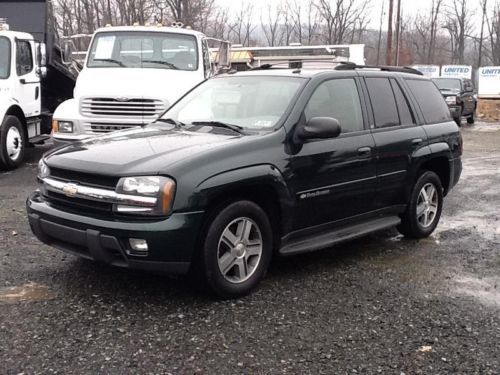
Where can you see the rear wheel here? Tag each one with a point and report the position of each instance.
(237, 249)
(12, 143)
(424, 208)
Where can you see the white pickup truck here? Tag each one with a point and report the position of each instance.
(131, 75)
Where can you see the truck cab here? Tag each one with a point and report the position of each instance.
(21, 68)
(33, 78)
(131, 75)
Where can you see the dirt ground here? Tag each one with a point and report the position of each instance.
(382, 304)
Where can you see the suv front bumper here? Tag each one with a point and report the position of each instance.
(171, 241)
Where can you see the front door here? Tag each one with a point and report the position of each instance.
(334, 179)
(28, 85)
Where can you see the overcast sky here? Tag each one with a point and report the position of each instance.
(409, 7)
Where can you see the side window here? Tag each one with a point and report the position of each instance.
(383, 102)
(24, 58)
(430, 100)
(405, 114)
(337, 98)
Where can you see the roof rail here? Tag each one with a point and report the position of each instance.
(401, 69)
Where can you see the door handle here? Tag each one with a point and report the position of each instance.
(364, 151)
(417, 141)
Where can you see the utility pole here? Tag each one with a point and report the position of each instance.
(388, 56)
(398, 31)
(380, 32)
(480, 58)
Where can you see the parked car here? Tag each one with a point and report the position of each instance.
(460, 96)
(251, 165)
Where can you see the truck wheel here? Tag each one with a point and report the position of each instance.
(424, 208)
(12, 143)
(472, 118)
(237, 250)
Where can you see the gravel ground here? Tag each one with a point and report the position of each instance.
(381, 304)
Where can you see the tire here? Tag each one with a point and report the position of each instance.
(472, 118)
(415, 224)
(12, 143)
(458, 119)
(231, 267)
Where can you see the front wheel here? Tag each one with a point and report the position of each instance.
(424, 208)
(12, 143)
(472, 118)
(237, 249)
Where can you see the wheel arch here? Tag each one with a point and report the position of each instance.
(262, 184)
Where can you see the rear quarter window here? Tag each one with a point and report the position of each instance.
(430, 101)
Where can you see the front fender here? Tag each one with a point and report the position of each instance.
(249, 179)
(67, 110)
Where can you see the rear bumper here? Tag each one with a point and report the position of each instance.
(171, 241)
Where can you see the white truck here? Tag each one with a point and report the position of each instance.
(131, 75)
(33, 79)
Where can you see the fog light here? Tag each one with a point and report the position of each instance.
(138, 246)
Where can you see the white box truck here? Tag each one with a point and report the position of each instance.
(33, 79)
(131, 75)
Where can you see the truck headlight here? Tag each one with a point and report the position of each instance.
(163, 188)
(43, 169)
(451, 99)
(62, 126)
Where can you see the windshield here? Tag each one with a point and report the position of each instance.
(4, 58)
(144, 50)
(448, 83)
(256, 102)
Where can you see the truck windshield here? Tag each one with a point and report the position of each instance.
(448, 83)
(155, 50)
(250, 102)
(4, 58)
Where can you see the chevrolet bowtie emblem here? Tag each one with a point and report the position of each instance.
(70, 190)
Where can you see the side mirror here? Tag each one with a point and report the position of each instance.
(320, 128)
(41, 54)
(67, 52)
(224, 55)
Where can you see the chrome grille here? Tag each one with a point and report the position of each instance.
(105, 127)
(131, 108)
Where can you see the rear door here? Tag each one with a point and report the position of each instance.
(396, 136)
(335, 178)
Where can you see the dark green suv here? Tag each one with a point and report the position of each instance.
(251, 165)
(460, 96)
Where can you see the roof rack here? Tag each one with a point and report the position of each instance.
(401, 69)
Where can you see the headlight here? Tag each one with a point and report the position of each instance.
(451, 99)
(43, 169)
(62, 126)
(163, 188)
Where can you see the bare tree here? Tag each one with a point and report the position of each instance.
(339, 18)
(459, 25)
(271, 25)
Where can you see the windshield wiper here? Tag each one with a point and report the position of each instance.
(219, 124)
(176, 123)
(161, 62)
(111, 61)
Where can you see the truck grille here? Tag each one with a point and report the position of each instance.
(147, 109)
(104, 127)
(89, 179)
